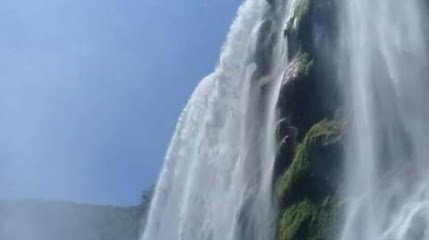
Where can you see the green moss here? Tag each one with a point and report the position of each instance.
(310, 156)
(296, 172)
(323, 133)
(306, 215)
(296, 219)
(308, 220)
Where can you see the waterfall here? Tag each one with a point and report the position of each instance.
(216, 183)
(384, 55)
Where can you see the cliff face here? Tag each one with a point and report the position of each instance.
(310, 135)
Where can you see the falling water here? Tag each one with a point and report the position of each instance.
(216, 182)
(385, 57)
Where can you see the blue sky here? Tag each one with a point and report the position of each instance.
(90, 91)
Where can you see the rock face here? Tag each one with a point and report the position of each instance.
(310, 133)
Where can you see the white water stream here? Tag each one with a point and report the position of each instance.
(385, 57)
(217, 180)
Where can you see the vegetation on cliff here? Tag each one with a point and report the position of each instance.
(310, 133)
(307, 190)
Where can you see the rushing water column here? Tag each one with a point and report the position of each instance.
(217, 180)
(384, 55)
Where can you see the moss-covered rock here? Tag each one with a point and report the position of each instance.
(309, 92)
(306, 190)
(299, 68)
(296, 97)
(307, 220)
(325, 133)
(295, 175)
(307, 171)
(296, 219)
(309, 155)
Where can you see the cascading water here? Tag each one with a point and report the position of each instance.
(385, 57)
(217, 180)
